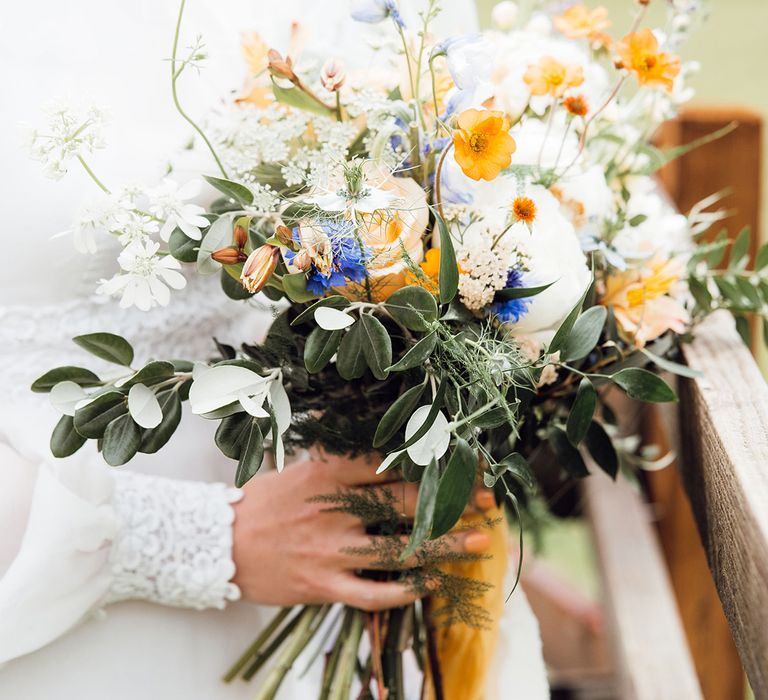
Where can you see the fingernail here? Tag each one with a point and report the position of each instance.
(476, 542)
(484, 499)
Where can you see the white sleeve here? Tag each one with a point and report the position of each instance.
(78, 538)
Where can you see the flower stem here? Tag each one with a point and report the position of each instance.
(253, 649)
(438, 173)
(92, 175)
(174, 77)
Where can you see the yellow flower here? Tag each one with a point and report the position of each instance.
(431, 269)
(550, 77)
(482, 144)
(254, 51)
(639, 53)
(642, 303)
(579, 22)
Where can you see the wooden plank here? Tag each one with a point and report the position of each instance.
(724, 430)
(652, 658)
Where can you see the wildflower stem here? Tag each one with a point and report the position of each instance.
(92, 175)
(438, 173)
(550, 119)
(174, 77)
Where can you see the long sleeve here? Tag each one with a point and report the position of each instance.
(77, 536)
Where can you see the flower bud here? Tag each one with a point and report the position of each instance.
(333, 74)
(280, 67)
(240, 236)
(228, 256)
(284, 235)
(504, 15)
(259, 266)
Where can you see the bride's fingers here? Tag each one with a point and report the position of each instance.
(371, 595)
(384, 552)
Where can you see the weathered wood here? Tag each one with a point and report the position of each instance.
(652, 659)
(724, 424)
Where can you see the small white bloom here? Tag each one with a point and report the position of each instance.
(70, 133)
(169, 203)
(504, 15)
(100, 215)
(133, 226)
(145, 276)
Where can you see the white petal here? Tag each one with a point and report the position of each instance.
(65, 396)
(281, 404)
(253, 404)
(434, 443)
(159, 291)
(332, 319)
(189, 190)
(192, 231)
(219, 386)
(144, 407)
(172, 278)
(387, 463)
(167, 230)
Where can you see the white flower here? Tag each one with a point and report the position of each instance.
(504, 15)
(133, 226)
(169, 203)
(100, 215)
(145, 276)
(69, 134)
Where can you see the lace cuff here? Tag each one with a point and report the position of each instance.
(174, 542)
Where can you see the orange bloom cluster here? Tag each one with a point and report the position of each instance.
(639, 53)
(579, 22)
(482, 144)
(550, 77)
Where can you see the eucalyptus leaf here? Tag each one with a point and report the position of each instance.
(417, 354)
(585, 334)
(251, 454)
(377, 346)
(151, 373)
(425, 508)
(437, 404)
(78, 375)
(92, 419)
(170, 405)
(320, 348)
(396, 415)
(454, 489)
(580, 417)
(182, 247)
(335, 301)
(121, 441)
(672, 367)
(107, 346)
(233, 190)
(412, 307)
(65, 440)
(219, 236)
(350, 360)
(643, 385)
(295, 287)
(231, 434)
(232, 286)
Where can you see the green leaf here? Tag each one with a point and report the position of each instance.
(585, 334)
(601, 448)
(219, 236)
(232, 287)
(151, 373)
(761, 259)
(643, 385)
(121, 441)
(520, 292)
(182, 247)
(234, 190)
(454, 489)
(350, 360)
(335, 301)
(417, 355)
(561, 336)
(107, 346)
(743, 329)
(449, 270)
(740, 250)
(700, 293)
(295, 287)
(568, 456)
(425, 508)
(65, 440)
(669, 366)
(437, 404)
(581, 412)
(412, 307)
(660, 158)
(231, 434)
(170, 405)
(377, 346)
(396, 415)
(92, 419)
(293, 97)
(517, 466)
(251, 455)
(320, 348)
(78, 375)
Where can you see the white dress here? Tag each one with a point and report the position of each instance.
(115, 583)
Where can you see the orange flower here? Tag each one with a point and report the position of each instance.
(259, 266)
(482, 144)
(579, 22)
(550, 77)
(639, 53)
(524, 209)
(576, 105)
(642, 303)
(431, 269)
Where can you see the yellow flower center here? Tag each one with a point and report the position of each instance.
(478, 142)
(649, 62)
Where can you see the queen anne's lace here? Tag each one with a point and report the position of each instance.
(174, 542)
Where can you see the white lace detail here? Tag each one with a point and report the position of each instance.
(174, 542)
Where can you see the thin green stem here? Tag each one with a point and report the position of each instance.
(92, 175)
(174, 77)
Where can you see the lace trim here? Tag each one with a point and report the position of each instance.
(174, 542)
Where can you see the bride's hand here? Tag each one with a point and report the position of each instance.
(288, 550)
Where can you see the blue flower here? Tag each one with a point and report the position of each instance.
(511, 310)
(348, 260)
(375, 11)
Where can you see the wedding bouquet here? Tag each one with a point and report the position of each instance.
(466, 250)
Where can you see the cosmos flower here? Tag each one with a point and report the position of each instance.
(550, 77)
(579, 22)
(482, 144)
(639, 53)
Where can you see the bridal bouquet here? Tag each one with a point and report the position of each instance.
(465, 249)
